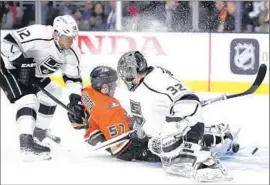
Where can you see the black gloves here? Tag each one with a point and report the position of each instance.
(26, 70)
(75, 105)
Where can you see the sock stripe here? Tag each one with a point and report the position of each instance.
(26, 111)
(46, 110)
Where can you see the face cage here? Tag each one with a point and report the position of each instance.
(112, 85)
(127, 72)
(129, 85)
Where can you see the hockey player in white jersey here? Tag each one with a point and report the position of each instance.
(169, 114)
(29, 56)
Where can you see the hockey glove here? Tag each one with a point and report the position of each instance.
(26, 70)
(76, 106)
(138, 150)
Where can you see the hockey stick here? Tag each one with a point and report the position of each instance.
(56, 100)
(258, 81)
(259, 78)
(62, 105)
(114, 141)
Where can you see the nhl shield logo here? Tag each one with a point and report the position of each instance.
(244, 57)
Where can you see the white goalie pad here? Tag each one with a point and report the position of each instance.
(167, 145)
(188, 160)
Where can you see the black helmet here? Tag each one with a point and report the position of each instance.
(103, 75)
(130, 64)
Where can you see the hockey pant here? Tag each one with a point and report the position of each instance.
(34, 108)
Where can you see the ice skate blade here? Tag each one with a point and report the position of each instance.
(28, 156)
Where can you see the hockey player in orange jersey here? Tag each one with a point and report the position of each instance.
(106, 118)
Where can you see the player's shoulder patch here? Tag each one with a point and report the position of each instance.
(113, 104)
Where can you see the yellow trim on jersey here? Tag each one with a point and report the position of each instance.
(202, 86)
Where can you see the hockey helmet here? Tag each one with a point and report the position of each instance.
(103, 75)
(66, 25)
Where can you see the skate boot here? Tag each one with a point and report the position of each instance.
(29, 146)
(41, 134)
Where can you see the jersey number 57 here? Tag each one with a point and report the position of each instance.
(113, 129)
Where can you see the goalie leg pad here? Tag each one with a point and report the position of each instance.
(197, 163)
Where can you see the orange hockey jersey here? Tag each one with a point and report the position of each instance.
(107, 116)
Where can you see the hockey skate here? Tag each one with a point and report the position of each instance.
(31, 149)
(41, 134)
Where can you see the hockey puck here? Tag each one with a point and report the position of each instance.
(235, 147)
(254, 151)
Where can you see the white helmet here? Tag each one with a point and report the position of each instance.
(66, 25)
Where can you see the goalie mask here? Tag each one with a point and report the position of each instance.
(129, 65)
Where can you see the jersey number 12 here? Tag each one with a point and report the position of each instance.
(23, 33)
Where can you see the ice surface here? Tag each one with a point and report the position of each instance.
(81, 166)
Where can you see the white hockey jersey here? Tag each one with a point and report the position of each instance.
(152, 103)
(36, 41)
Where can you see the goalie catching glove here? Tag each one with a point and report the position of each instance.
(76, 106)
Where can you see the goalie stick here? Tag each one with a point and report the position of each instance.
(258, 81)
